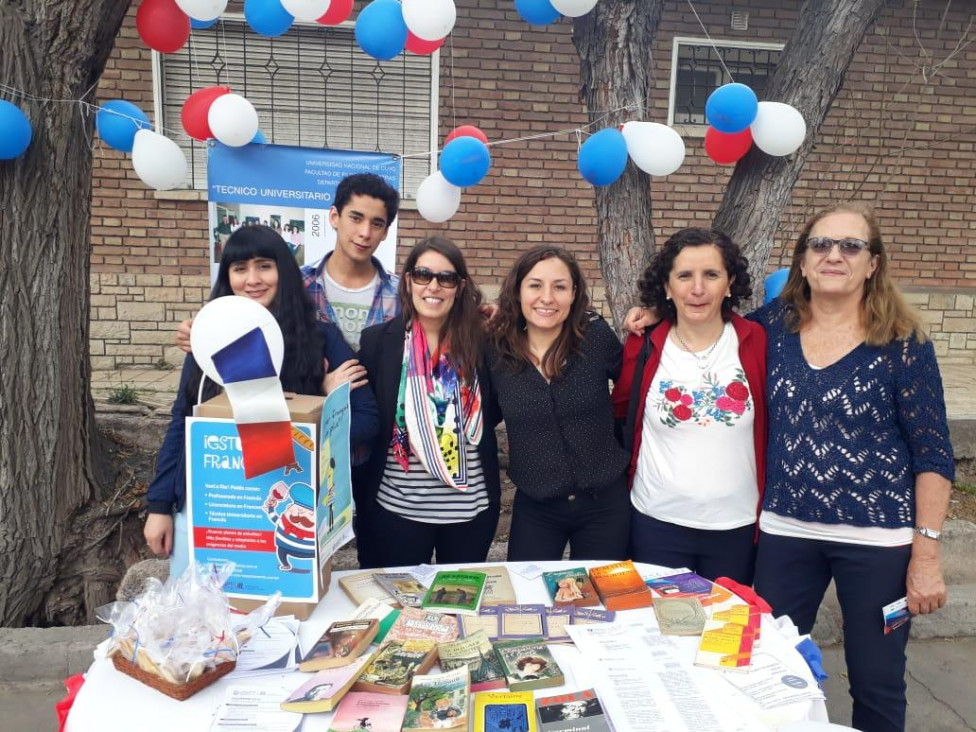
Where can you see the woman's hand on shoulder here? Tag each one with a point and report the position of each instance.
(159, 534)
(351, 371)
(638, 319)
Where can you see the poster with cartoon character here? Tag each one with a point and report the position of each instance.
(266, 525)
(335, 475)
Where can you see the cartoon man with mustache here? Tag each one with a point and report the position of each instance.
(294, 525)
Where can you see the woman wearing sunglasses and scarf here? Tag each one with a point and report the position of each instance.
(431, 487)
(859, 462)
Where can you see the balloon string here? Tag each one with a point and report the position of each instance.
(714, 47)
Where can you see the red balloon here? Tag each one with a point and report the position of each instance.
(421, 47)
(197, 107)
(162, 25)
(338, 12)
(725, 148)
(467, 131)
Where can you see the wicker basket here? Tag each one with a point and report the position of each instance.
(180, 692)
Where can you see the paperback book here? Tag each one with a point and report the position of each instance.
(522, 621)
(571, 587)
(689, 584)
(620, 586)
(439, 701)
(457, 593)
(528, 665)
(579, 711)
(557, 618)
(498, 585)
(487, 619)
(729, 637)
(323, 691)
(680, 615)
(362, 586)
(504, 711)
(587, 615)
(476, 652)
(394, 666)
(374, 712)
(384, 613)
(407, 590)
(416, 624)
(344, 641)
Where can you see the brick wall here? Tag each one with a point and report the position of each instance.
(900, 136)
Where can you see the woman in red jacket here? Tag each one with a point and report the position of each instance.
(692, 390)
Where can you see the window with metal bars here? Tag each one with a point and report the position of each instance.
(312, 87)
(696, 72)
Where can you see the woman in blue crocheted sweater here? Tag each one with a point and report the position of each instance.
(859, 464)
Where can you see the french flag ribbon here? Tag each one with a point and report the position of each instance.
(258, 402)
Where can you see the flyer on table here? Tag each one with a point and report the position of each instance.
(265, 525)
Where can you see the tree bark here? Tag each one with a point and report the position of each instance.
(54, 49)
(614, 44)
(809, 75)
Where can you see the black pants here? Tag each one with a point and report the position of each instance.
(793, 574)
(389, 540)
(597, 526)
(711, 554)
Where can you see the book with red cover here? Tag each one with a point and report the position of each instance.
(620, 586)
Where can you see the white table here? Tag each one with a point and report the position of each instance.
(110, 700)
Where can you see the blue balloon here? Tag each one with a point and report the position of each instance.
(380, 29)
(267, 17)
(15, 131)
(731, 108)
(259, 139)
(536, 12)
(201, 24)
(465, 161)
(775, 284)
(118, 122)
(603, 157)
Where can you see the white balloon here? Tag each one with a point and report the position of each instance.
(778, 129)
(306, 9)
(203, 9)
(430, 20)
(437, 200)
(233, 120)
(158, 161)
(573, 8)
(655, 148)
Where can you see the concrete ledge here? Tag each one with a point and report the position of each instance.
(36, 654)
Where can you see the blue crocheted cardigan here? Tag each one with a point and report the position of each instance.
(846, 441)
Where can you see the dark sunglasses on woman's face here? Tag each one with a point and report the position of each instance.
(849, 247)
(423, 276)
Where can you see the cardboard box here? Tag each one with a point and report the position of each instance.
(303, 409)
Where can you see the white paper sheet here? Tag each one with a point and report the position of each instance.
(252, 708)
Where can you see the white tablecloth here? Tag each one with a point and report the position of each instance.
(111, 701)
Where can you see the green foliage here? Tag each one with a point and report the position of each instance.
(124, 394)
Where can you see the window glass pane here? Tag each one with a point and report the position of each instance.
(312, 86)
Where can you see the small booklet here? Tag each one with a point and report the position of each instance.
(895, 615)
(344, 641)
(374, 712)
(529, 664)
(729, 637)
(456, 593)
(407, 590)
(589, 615)
(686, 583)
(324, 690)
(504, 711)
(680, 615)
(476, 652)
(557, 618)
(487, 619)
(579, 711)
(571, 587)
(439, 701)
(522, 621)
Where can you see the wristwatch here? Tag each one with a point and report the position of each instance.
(928, 533)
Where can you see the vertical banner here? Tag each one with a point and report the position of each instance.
(266, 525)
(335, 475)
(290, 189)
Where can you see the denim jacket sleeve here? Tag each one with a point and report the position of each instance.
(168, 488)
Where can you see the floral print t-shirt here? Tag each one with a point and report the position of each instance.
(697, 461)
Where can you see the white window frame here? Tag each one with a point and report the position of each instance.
(690, 128)
(194, 193)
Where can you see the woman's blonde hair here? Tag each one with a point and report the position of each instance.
(886, 314)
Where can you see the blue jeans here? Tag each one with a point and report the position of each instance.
(712, 554)
(793, 574)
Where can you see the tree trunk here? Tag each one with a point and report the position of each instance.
(52, 50)
(614, 44)
(809, 75)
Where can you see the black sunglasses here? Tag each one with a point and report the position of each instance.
(423, 276)
(849, 247)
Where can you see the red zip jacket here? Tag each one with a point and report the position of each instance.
(752, 354)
